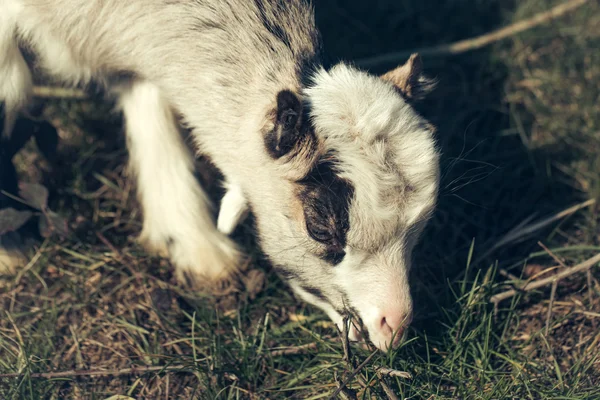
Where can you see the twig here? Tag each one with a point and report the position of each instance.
(31, 262)
(543, 282)
(551, 254)
(16, 329)
(390, 372)
(391, 395)
(346, 393)
(353, 374)
(47, 92)
(541, 273)
(522, 231)
(167, 389)
(507, 274)
(92, 372)
(549, 314)
(288, 351)
(590, 288)
(589, 313)
(478, 42)
(108, 244)
(346, 322)
(345, 341)
(394, 372)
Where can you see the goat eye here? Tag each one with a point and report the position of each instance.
(319, 234)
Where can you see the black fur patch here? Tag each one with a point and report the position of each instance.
(292, 131)
(271, 24)
(286, 273)
(290, 275)
(287, 130)
(278, 17)
(315, 292)
(308, 64)
(326, 201)
(334, 258)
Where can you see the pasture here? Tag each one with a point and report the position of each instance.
(91, 315)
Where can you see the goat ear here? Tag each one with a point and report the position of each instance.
(409, 79)
(287, 125)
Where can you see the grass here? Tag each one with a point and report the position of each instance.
(520, 136)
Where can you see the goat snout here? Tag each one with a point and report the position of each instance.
(389, 328)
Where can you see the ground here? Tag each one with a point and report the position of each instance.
(519, 132)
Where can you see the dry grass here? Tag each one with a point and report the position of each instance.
(520, 135)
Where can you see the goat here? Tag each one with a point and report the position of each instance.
(337, 167)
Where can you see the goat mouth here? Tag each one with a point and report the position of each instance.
(354, 331)
(353, 328)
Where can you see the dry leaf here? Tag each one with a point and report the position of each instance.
(254, 282)
(11, 219)
(34, 194)
(51, 223)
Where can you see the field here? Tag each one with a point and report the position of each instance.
(92, 315)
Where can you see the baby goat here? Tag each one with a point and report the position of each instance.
(338, 169)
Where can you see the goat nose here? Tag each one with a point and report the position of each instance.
(395, 324)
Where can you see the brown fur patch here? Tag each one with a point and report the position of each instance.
(409, 80)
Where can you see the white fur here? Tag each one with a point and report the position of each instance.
(377, 286)
(177, 220)
(234, 208)
(363, 118)
(15, 78)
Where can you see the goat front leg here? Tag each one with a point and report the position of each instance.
(16, 82)
(234, 208)
(177, 218)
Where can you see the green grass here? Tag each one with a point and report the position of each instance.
(520, 136)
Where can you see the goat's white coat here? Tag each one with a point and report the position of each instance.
(15, 77)
(234, 208)
(224, 83)
(177, 221)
